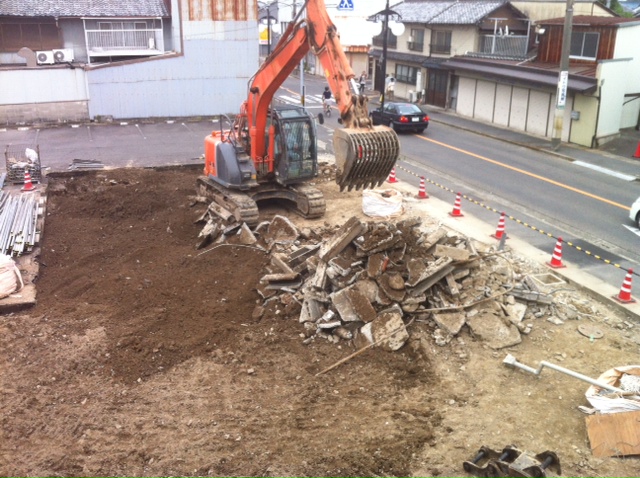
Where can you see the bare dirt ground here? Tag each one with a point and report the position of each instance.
(144, 358)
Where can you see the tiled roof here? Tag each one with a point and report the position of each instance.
(589, 20)
(464, 12)
(84, 8)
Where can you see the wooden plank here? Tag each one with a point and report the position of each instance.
(614, 434)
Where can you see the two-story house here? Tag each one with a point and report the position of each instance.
(437, 30)
(603, 90)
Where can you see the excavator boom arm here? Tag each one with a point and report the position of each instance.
(365, 154)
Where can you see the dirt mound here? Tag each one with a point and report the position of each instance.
(144, 356)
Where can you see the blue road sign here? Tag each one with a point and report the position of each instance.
(345, 5)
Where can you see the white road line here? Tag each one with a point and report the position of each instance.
(615, 174)
(290, 99)
(635, 230)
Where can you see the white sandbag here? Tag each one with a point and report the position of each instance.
(31, 155)
(10, 278)
(608, 402)
(385, 203)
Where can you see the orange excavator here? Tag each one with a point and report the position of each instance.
(270, 152)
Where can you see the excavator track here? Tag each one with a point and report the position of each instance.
(242, 206)
(310, 201)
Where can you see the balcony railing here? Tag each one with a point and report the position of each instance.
(124, 42)
(504, 45)
(392, 42)
(415, 46)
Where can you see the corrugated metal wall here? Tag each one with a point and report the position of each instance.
(211, 78)
(45, 85)
(220, 54)
(219, 10)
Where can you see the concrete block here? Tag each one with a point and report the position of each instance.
(389, 329)
(341, 239)
(493, 330)
(455, 253)
(451, 322)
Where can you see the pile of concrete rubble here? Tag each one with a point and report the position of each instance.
(366, 281)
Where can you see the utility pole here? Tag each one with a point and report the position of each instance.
(563, 78)
(385, 33)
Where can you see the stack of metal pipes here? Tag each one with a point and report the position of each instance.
(18, 221)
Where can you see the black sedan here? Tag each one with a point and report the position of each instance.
(401, 117)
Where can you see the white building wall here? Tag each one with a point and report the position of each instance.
(519, 108)
(209, 79)
(485, 98)
(466, 96)
(502, 108)
(612, 91)
(627, 39)
(537, 119)
(42, 84)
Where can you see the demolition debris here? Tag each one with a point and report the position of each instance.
(363, 282)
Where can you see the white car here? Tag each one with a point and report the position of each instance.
(634, 213)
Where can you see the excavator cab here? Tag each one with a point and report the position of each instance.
(295, 150)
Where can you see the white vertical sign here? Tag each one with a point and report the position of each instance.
(563, 80)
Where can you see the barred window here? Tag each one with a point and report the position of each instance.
(406, 74)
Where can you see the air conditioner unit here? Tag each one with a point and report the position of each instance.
(63, 56)
(45, 57)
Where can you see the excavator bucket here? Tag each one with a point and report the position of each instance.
(364, 157)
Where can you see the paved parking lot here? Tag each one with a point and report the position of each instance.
(128, 144)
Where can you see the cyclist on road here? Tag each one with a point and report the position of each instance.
(326, 96)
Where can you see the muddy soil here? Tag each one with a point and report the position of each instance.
(144, 357)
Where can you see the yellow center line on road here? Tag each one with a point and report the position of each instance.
(527, 173)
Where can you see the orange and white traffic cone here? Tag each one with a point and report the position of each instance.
(500, 229)
(456, 207)
(28, 185)
(625, 291)
(637, 153)
(392, 176)
(556, 258)
(422, 192)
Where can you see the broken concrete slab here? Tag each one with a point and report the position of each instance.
(515, 312)
(343, 237)
(281, 230)
(452, 285)
(493, 330)
(451, 322)
(311, 311)
(353, 305)
(389, 329)
(379, 238)
(416, 269)
(520, 292)
(367, 287)
(376, 264)
(389, 286)
(455, 253)
(434, 238)
(434, 272)
(280, 261)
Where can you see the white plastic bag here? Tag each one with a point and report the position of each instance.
(10, 276)
(384, 203)
(609, 402)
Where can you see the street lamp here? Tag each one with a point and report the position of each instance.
(385, 15)
(269, 21)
